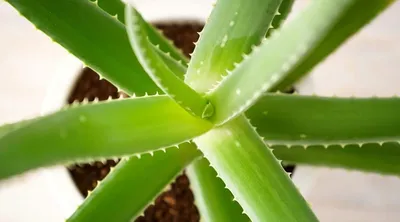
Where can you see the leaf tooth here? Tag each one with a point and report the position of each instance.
(103, 161)
(245, 56)
(270, 145)
(115, 17)
(228, 72)
(112, 169)
(121, 96)
(255, 48)
(85, 101)
(119, 90)
(99, 183)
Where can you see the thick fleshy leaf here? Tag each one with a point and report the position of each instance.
(134, 184)
(253, 175)
(9, 127)
(102, 130)
(291, 52)
(214, 201)
(96, 38)
(93, 36)
(233, 27)
(165, 45)
(383, 159)
(309, 120)
(112, 7)
(117, 8)
(177, 67)
(284, 10)
(157, 69)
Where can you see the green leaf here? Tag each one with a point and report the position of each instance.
(112, 7)
(157, 69)
(175, 66)
(228, 34)
(133, 185)
(117, 7)
(253, 175)
(156, 37)
(9, 127)
(382, 159)
(213, 200)
(310, 120)
(96, 38)
(93, 36)
(284, 10)
(102, 130)
(292, 52)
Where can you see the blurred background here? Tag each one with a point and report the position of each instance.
(29, 62)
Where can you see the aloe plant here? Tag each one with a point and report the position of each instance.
(220, 115)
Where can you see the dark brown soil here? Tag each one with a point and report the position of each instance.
(175, 205)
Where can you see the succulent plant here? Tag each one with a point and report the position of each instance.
(220, 115)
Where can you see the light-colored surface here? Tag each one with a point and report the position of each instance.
(155, 10)
(366, 65)
(29, 63)
(28, 60)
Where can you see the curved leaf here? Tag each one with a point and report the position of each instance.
(383, 159)
(93, 36)
(292, 52)
(96, 38)
(284, 10)
(117, 8)
(112, 7)
(213, 200)
(102, 130)
(309, 120)
(253, 175)
(157, 69)
(233, 28)
(133, 184)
